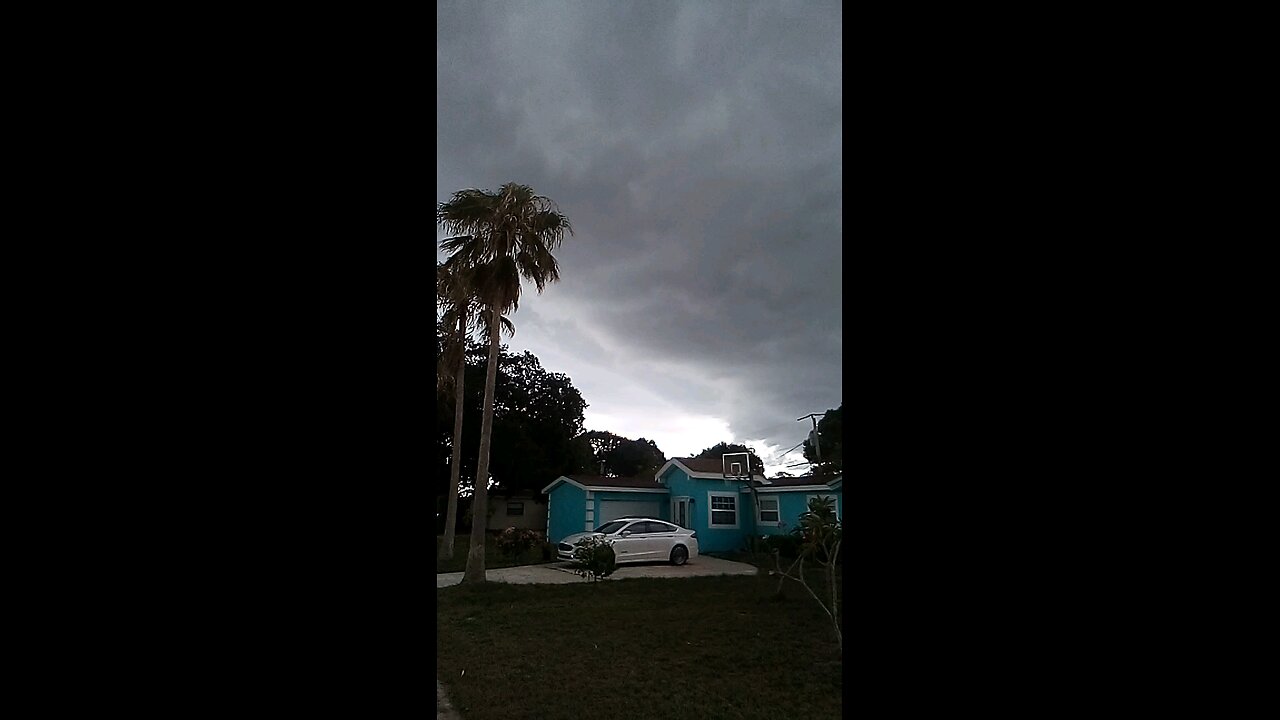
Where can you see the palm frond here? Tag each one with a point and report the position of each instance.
(502, 238)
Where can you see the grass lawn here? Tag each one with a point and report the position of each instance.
(696, 648)
(814, 573)
(492, 558)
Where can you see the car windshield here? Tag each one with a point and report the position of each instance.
(611, 527)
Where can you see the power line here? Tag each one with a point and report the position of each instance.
(793, 447)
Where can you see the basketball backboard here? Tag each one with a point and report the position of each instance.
(737, 465)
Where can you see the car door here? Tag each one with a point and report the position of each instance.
(631, 546)
(648, 542)
(661, 540)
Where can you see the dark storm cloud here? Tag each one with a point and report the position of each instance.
(697, 149)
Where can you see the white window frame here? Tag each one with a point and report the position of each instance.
(833, 497)
(737, 511)
(777, 510)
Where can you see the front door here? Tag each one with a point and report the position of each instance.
(680, 512)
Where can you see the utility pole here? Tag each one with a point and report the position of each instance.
(813, 436)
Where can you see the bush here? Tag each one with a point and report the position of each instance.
(786, 545)
(515, 542)
(820, 529)
(593, 558)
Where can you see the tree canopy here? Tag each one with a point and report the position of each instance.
(537, 415)
(830, 435)
(619, 456)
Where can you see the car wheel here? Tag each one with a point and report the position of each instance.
(679, 555)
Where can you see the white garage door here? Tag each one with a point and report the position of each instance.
(613, 509)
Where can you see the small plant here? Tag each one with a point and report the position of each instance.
(515, 542)
(593, 558)
(819, 536)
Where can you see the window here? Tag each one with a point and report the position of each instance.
(636, 528)
(657, 527)
(515, 508)
(724, 510)
(611, 527)
(768, 511)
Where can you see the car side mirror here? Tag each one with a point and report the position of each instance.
(625, 533)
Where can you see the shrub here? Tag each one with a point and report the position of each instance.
(786, 545)
(593, 558)
(515, 542)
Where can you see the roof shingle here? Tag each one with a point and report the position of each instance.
(707, 465)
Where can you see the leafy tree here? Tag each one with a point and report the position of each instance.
(504, 237)
(537, 416)
(617, 455)
(829, 439)
(633, 457)
(601, 442)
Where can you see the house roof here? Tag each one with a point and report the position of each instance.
(712, 468)
(640, 483)
(804, 482)
(710, 465)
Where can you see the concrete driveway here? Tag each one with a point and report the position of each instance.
(559, 573)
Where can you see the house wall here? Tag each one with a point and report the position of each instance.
(793, 504)
(534, 518)
(567, 511)
(573, 510)
(709, 539)
(766, 529)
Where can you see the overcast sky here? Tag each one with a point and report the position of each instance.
(695, 146)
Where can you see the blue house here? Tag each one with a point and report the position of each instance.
(692, 493)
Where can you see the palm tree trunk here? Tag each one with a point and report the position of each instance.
(480, 500)
(455, 460)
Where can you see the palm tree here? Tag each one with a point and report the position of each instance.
(503, 237)
(460, 310)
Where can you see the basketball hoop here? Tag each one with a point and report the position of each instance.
(736, 466)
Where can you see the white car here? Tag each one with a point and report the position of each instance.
(639, 540)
